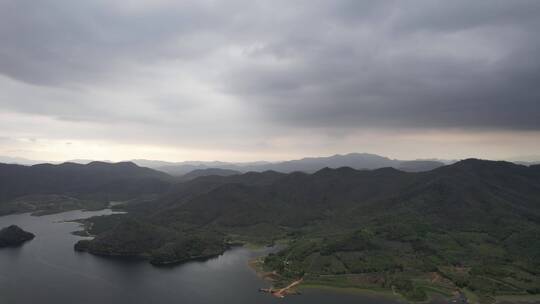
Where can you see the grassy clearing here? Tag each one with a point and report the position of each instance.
(376, 292)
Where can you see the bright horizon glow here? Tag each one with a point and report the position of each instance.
(448, 147)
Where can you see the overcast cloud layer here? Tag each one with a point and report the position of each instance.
(246, 80)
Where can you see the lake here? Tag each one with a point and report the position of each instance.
(48, 270)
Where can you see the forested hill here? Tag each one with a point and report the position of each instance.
(94, 181)
(472, 224)
(464, 189)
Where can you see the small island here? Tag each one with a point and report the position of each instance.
(14, 236)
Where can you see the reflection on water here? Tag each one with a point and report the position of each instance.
(48, 270)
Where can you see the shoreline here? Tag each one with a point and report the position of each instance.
(433, 297)
(272, 277)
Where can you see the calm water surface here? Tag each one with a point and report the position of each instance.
(48, 270)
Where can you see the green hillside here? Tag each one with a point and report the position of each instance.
(471, 226)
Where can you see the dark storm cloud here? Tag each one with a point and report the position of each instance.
(412, 64)
(52, 42)
(329, 64)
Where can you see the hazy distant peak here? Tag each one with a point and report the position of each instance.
(482, 162)
(125, 164)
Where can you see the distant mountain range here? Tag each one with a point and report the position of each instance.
(21, 161)
(308, 165)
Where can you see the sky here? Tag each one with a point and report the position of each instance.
(246, 80)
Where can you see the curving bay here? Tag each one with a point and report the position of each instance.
(48, 270)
